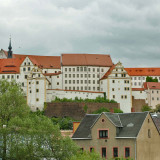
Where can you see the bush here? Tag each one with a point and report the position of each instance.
(97, 100)
(150, 79)
(116, 110)
(146, 108)
(99, 111)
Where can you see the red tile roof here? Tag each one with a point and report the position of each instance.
(137, 89)
(49, 62)
(143, 71)
(86, 60)
(10, 66)
(151, 85)
(108, 72)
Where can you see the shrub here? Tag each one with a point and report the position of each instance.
(117, 110)
(99, 111)
(146, 108)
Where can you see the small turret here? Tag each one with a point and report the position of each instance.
(10, 50)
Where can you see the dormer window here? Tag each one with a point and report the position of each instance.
(25, 63)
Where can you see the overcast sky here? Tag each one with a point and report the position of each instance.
(128, 30)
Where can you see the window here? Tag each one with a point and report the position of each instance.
(81, 75)
(97, 69)
(116, 75)
(125, 96)
(23, 84)
(45, 72)
(81, 88)
(69, 69)
(102, 70)
(122, 97)
(97, 81)
(157, 98)
(85, 87)
(93, 81)
(37, 82)
(89, 81)
(81, 69)
(77, 88)
(37, 99)
(65, 81)
(73, 69)
(149, 133)
(113, 96)
(25, 76)
(82, 149)
(30, 91)
(65, 69)
(73, 75)
(152, 91)
(115, 152)
(97, 88)
(89, 75)
(69, 88)
(85, 68)
(94, 88)
(104, 152)
(93, 69)
(97, 75)
(69, 75)
(77, 69)
(89, 69)
(139, 78)
(25, 63)
(3, 77)
(65, 75)
(8, 76)
(127, 152)
(81, 81)
(135, 83)
(39, 75)
(57, 76)
(17, 76)
(77, 75)
(65, 88)
(73, 88)
(28, 63)
(37, 90)
(85, 75)
(57, 83)
(157, 92)
(77, 81)
(73, 81)
(29, 68)
(139, 83)
(24, 69)
(112, 89)
(69, 81)
(12, 76)
(135, 78)
(91, 149)
(85, 81)
(113, 81)
(152, 98)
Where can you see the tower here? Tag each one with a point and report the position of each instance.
(10, 50)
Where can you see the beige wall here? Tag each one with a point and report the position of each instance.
(148, 148)
(111, 141)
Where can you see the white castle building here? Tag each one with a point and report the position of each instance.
(74, 75)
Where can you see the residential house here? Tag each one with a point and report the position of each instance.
(127, 135)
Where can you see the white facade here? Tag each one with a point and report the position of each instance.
(2, 55)
(52, 94)
(85, 78)
(117, 86)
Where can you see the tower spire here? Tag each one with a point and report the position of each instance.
(10, 49)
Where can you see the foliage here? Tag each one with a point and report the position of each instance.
(65, 123)
(118, 158)
(117, 110)
(146, 108)
(85, 108)
(86, 156)
(97, 100)
(157, 109)
(150, 79)
(99, 111)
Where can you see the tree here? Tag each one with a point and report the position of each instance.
(150, 79)
(157, 108)
(25, 135)
(146, 108)
(100, 110)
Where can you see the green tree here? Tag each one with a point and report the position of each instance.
(150, 79)
(117, 110)
(157, 108)
(146, 108)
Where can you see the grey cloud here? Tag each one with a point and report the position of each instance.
(127, 30)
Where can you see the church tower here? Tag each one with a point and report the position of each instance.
(10, 50)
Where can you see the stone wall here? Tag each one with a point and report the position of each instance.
(75, 109)
(137, 104)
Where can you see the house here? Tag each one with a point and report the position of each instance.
(134, 135)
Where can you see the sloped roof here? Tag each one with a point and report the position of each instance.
(83, 131)
(156, 120)
(86, 60)
(50, 62)
(128, 124)
(132, 123)
(151, 85)
(108, 72)
(143, 71)
(10, 66)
